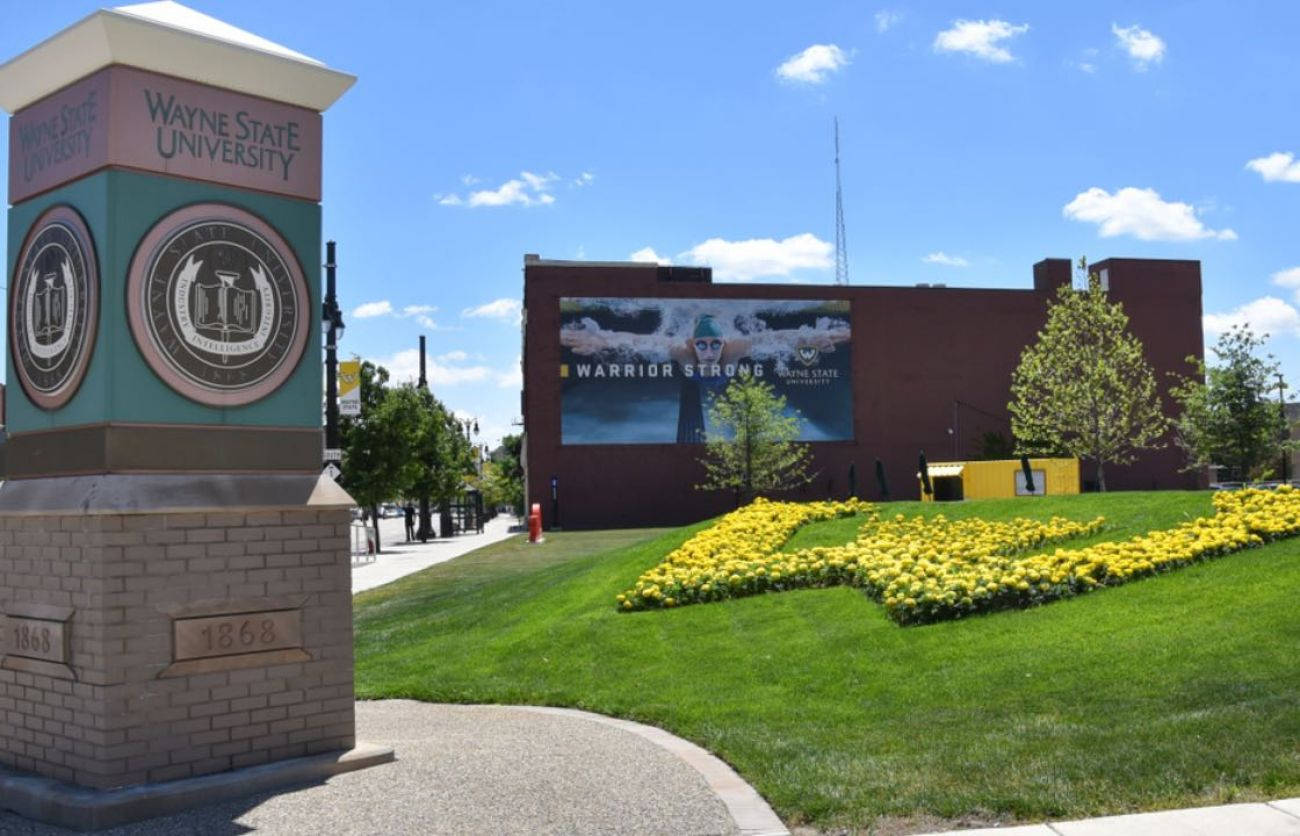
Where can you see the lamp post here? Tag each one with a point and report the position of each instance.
(332, 318)
(1281, 408)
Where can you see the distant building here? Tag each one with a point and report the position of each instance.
(621, 359)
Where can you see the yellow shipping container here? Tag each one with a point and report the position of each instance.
(1000, 478)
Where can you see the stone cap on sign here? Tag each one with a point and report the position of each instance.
(168, 493)
(166, 37)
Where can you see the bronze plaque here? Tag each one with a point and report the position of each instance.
(233, 634)
(54, 307)
(218, 304)
(36, 638)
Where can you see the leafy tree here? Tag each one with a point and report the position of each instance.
(443, 455)
(378, 444)
(754, 450)
(1227, 417)
(510, 463)
(1084, 388)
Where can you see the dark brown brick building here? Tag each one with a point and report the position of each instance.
(930, 370)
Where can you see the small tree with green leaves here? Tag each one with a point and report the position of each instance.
(752, 449)
(1227, 415)
(379, 445)
(1084, 388)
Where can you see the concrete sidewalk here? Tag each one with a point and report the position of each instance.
(399, 558)
(1276, 818)
(487, 769)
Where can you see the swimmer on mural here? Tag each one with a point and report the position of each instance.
(705, 359)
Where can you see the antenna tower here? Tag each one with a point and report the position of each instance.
(841, 252)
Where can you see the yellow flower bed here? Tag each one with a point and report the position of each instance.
(926, 570)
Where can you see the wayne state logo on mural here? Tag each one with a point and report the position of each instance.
(218, 304)
(53, 307)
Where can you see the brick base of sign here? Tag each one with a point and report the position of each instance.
(142, 647)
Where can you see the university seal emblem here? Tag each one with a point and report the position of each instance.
(218, 304)
(54, 307)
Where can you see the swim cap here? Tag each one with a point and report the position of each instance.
(706, 327)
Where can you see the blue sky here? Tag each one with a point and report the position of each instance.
(977, 139)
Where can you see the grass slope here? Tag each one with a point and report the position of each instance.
(1176, 690)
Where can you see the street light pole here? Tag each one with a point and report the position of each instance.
(333, 319)
(1281, 407)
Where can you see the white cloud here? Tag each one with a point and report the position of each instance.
(528, 189)
(1142, 214)
(456, 356)
(1266, 315)
(648, 254)
(586, 178)
(946, 260)
(469, 179)
(885, 20)
(497, 309)
(1278, 167)
(404, 367)
(371, 309)
(1288, 278)
(512, 378)
(427, 322)
(813, 64)
(1142, 46)
(414, 310)
(760, 257)
(980, 38)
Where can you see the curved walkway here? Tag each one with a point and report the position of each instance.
(494, 770)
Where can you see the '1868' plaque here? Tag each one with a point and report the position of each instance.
(237, 633)
(218, 304)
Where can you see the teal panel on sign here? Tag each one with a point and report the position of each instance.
(120, 208)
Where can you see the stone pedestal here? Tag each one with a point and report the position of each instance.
(166, 627)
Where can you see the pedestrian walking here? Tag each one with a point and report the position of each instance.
(409, 513)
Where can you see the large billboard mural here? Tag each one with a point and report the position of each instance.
(643, 371)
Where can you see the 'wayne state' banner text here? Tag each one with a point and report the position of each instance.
(643, 371)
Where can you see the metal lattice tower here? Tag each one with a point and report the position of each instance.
(841, 252)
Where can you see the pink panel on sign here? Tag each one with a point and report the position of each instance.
(127, 117)
(59, 138)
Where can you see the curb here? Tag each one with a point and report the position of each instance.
(752, 815)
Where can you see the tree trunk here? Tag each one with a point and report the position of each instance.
(1101, 475)
(374, 516)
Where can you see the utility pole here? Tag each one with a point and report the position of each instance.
(426, 521)
(1286, 433)
(333, 319)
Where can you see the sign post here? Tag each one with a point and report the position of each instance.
(164, 282)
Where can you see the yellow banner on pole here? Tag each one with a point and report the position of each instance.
(350, 387)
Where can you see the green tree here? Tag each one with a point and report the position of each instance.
(1227, 417)
(753, 450)
(444, 456)
(510, 463)
(1084, 388)
(378, 445)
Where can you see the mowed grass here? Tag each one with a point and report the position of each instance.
(1178, 690)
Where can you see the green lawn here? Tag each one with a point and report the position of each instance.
(1173, 691)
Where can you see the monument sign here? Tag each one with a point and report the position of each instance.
(174, 568)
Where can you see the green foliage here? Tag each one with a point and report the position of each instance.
(404, 443)
(502, 481)
(1084, 388)
(1227, 417)
(1176, 691)
(754, 450)
(993, 446)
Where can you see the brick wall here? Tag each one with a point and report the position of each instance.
(125, 719)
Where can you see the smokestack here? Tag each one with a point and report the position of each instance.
(424, 381)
